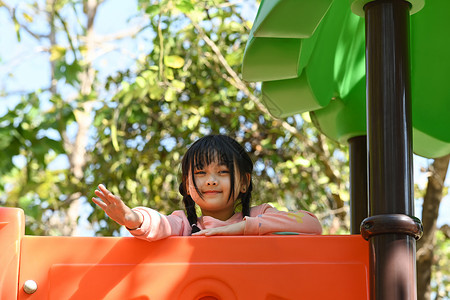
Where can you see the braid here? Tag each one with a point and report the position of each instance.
(245, 201)
(189, 204)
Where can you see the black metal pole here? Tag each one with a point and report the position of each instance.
(358, 182)
(391, 229)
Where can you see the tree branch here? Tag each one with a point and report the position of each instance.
(69, 37)
(12, 13)
(236, 81)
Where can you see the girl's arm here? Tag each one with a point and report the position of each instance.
(265, 219)
(142, 222)
(156, 226)
(116, 209)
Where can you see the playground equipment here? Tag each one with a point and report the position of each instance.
(348, 64)
(289, 53)
(310, 57)
(228, 268)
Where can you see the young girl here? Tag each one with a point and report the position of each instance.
(216, 176)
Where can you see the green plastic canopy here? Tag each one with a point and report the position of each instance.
(310, 57)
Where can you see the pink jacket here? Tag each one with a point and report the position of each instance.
(263, 219)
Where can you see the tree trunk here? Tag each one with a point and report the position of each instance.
(76, 150)
(430, 212)
(77, 157)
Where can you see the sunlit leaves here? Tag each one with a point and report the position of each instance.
(174, 61)
(159, 119)
(172, 95)
(439, 270)
(185, 6)
(27, 17)
(57, 52)
(178, 85)
(152, 9)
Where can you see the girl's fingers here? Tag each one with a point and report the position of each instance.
(102, 196)
(107, 200)
(99, 202)
(103, 189)
(213, 232)
(206, 232)
(107, 196)
(232, 229)
(114, 199)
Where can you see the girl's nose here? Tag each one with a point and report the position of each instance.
(211, 181)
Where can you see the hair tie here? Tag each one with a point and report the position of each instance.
(195, 228)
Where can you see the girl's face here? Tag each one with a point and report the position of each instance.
(214, 183)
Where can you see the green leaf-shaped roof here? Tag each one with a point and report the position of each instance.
(310, 57)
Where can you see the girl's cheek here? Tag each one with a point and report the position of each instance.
(192, 190)
(191, 186)
(196, 180)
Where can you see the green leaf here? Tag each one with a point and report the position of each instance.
(114, 137)
(174, 61)
(27, 17)
(54, 145)
(193, 121)
(179, 85)
(168, 73)
(302, 162)
(5, 138)
(141, 82)
(234, 58)
(185, 6)
(153, 9)
(68, 71)
(170, 94)
(127, 98)
(225, 109)
(155, 92)
(57, 52)
(17, 29)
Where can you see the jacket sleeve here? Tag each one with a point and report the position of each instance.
(156, 226)
(265, 219)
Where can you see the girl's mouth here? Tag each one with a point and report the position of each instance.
(212, 192)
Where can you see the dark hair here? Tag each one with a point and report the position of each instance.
(223, 150)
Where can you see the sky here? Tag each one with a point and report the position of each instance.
(24, 67)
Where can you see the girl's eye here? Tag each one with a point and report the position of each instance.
(199, 172)
(224, 172)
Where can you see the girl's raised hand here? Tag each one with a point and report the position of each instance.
(116, 209)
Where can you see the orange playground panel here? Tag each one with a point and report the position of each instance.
(272, 267)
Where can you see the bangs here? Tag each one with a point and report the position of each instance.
(204, 158)
(207, 151)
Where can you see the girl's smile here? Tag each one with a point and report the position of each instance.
(210, 192)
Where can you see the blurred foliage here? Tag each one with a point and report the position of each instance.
(168, 102)
(145, 117)
(28, 183)
(440, 269)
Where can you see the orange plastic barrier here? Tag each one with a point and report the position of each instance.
(12, 228)
(267, 267)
